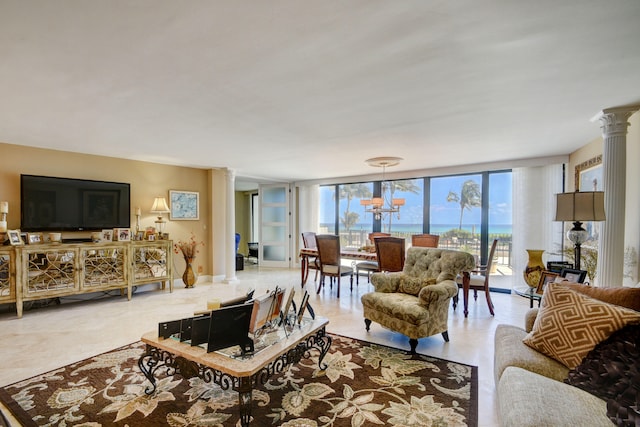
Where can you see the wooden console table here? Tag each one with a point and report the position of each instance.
(170, 356)
(42, 271)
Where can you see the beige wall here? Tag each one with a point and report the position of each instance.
(632, 202)
(147, 181)
(243, 219)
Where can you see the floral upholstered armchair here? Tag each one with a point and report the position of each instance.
(415, 302)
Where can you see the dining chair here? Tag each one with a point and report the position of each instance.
(425, 240)
(479, 281)
(369, 266)
(309, 242)
(329, 256)
(390, 253)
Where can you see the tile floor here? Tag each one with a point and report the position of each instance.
(53, 336)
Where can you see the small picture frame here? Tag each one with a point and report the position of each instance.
(35, 238)
(107, 235)
(140, 235)
(573, 275)
(122, 234)
(151, 237)
(545, 278)
(14, 238)
(557, 266)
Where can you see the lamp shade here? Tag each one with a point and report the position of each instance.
(159, 205)
(580, 206)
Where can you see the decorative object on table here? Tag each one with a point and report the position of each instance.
(57, 237)
(577, 207)
(96, 236)
(188, 249)
(35, 238)
(185, 205)
(14, 238)
(4, 210)
(122, 234)
(557, 266)
(160, 207)
(376, 205)
(545, 278)
(138, 214)
(107, 235)
(439, 389)
(534, 268)
(573, 275)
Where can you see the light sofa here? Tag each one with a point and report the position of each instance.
(531, 386)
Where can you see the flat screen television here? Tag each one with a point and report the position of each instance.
(65, 204)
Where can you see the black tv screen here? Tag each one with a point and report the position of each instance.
(66, 204)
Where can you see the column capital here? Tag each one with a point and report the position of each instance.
(231, 173)
(615, 120)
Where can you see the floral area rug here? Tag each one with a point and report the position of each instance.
(364, 384)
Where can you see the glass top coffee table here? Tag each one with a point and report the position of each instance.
(229, 371)
(528, 292)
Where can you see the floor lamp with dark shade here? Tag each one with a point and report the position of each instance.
(577, 207)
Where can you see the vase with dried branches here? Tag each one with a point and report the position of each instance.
(188, 249)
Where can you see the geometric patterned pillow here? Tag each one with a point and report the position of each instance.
(569, 324)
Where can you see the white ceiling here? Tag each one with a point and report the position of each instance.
(296, 90)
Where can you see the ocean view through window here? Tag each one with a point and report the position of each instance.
(466, 211)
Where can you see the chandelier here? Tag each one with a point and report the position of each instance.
(376, 205)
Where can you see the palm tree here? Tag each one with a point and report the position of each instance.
(407, 186)
(470, 197)
(352, 191)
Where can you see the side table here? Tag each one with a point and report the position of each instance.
(528, 292)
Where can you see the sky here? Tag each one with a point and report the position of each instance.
(441, 211)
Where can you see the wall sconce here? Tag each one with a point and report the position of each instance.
(160, 207)
(4, 210)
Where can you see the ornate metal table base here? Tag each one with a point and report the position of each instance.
(155, 359)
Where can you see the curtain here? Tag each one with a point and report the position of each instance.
(534, 204)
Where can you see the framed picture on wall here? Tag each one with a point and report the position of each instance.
(588, 175)
(184, 205)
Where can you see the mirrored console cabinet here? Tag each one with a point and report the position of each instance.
(36, 272)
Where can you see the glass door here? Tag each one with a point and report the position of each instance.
(274, 232)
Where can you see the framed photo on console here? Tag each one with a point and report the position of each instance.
(35, 238)
(14, 237)
(572, 275)
(545, 278)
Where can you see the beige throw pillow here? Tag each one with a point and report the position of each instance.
(570, 324)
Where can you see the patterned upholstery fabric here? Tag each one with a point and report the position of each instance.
(415, 302)
(611, 371)
(570, 324)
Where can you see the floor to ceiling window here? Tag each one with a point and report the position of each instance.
(467, 211)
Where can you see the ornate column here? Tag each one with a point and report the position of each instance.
(610, 270)
(230, 227)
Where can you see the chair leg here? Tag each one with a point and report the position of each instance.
(455, 301)
(489, 302)
(357, 277)
(338, 286)
(320, 283)
(367, 324)
(445, 335)
(413, 343)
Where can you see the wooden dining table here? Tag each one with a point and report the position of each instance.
(346, 253)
